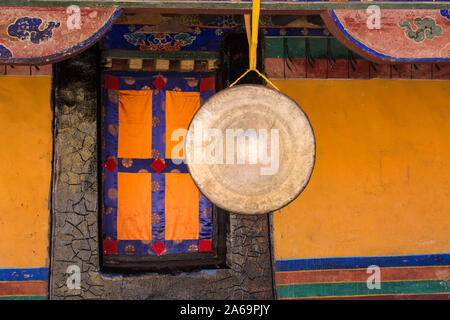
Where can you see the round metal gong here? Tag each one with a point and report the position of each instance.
(250, 149)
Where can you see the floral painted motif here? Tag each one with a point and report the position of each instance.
(113, 96)
(207, 212)
(127, 162)
(155, 218)
(155, 121)
(155, 186)
(160, 41)
(426, 29)
(112, 193)
(226, 21)
(113, 129)
(130, 81)
(193, 248)
(155, 153)
(26, 28)
(129, 249)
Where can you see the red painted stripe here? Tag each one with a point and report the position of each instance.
(361, 275)
(24, 288)
(276, 68)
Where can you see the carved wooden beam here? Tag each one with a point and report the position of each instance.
(45, 35)
(267, 6)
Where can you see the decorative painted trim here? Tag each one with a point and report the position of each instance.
(26, 70)
(178, 65)
(338, 277)
(417, 296)
(25, 288)
(360, 275)
(359, 289)
(347, 68)
(24, 274)
(341, 33)
(179, 55)
(219, 5)
(440, 259)
(24, 298)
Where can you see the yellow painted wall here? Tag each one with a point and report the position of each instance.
(25, 169)
(381, 183)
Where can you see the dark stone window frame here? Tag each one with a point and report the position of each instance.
(75, 237)
(120, 263)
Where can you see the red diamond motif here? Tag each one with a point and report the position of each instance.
(110, 247)
(204, 245)
(111, 82)
(110, 164)
(158, 248)
(159, 82)
(158, 165)
(207, 84)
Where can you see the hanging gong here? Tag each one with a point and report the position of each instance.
(250, 149)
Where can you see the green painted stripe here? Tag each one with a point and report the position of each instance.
(338, 50)
(177, 55)
(360, 288)
(296, 46)
(318, 48)
(227, 5)
(24, 298)
(273, 47)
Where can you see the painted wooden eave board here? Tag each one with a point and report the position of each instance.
(227, 5)
(402, 36)
(41, 35)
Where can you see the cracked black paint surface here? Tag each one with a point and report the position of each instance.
(75, 214)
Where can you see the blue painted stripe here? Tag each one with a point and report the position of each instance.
(363, 262)
(375, 53)
(24, 274)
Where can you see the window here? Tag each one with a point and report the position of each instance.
(153, 216)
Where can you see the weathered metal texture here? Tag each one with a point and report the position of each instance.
(269, 167)
(401, 36)
(75, 237)
(33, 35)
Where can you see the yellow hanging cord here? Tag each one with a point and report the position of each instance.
(252, 36)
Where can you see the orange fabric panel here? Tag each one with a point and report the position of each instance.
(180, 108)
(134, 206)
(135, 124)
(181, 207)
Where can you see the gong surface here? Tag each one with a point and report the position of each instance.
(250, 149)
